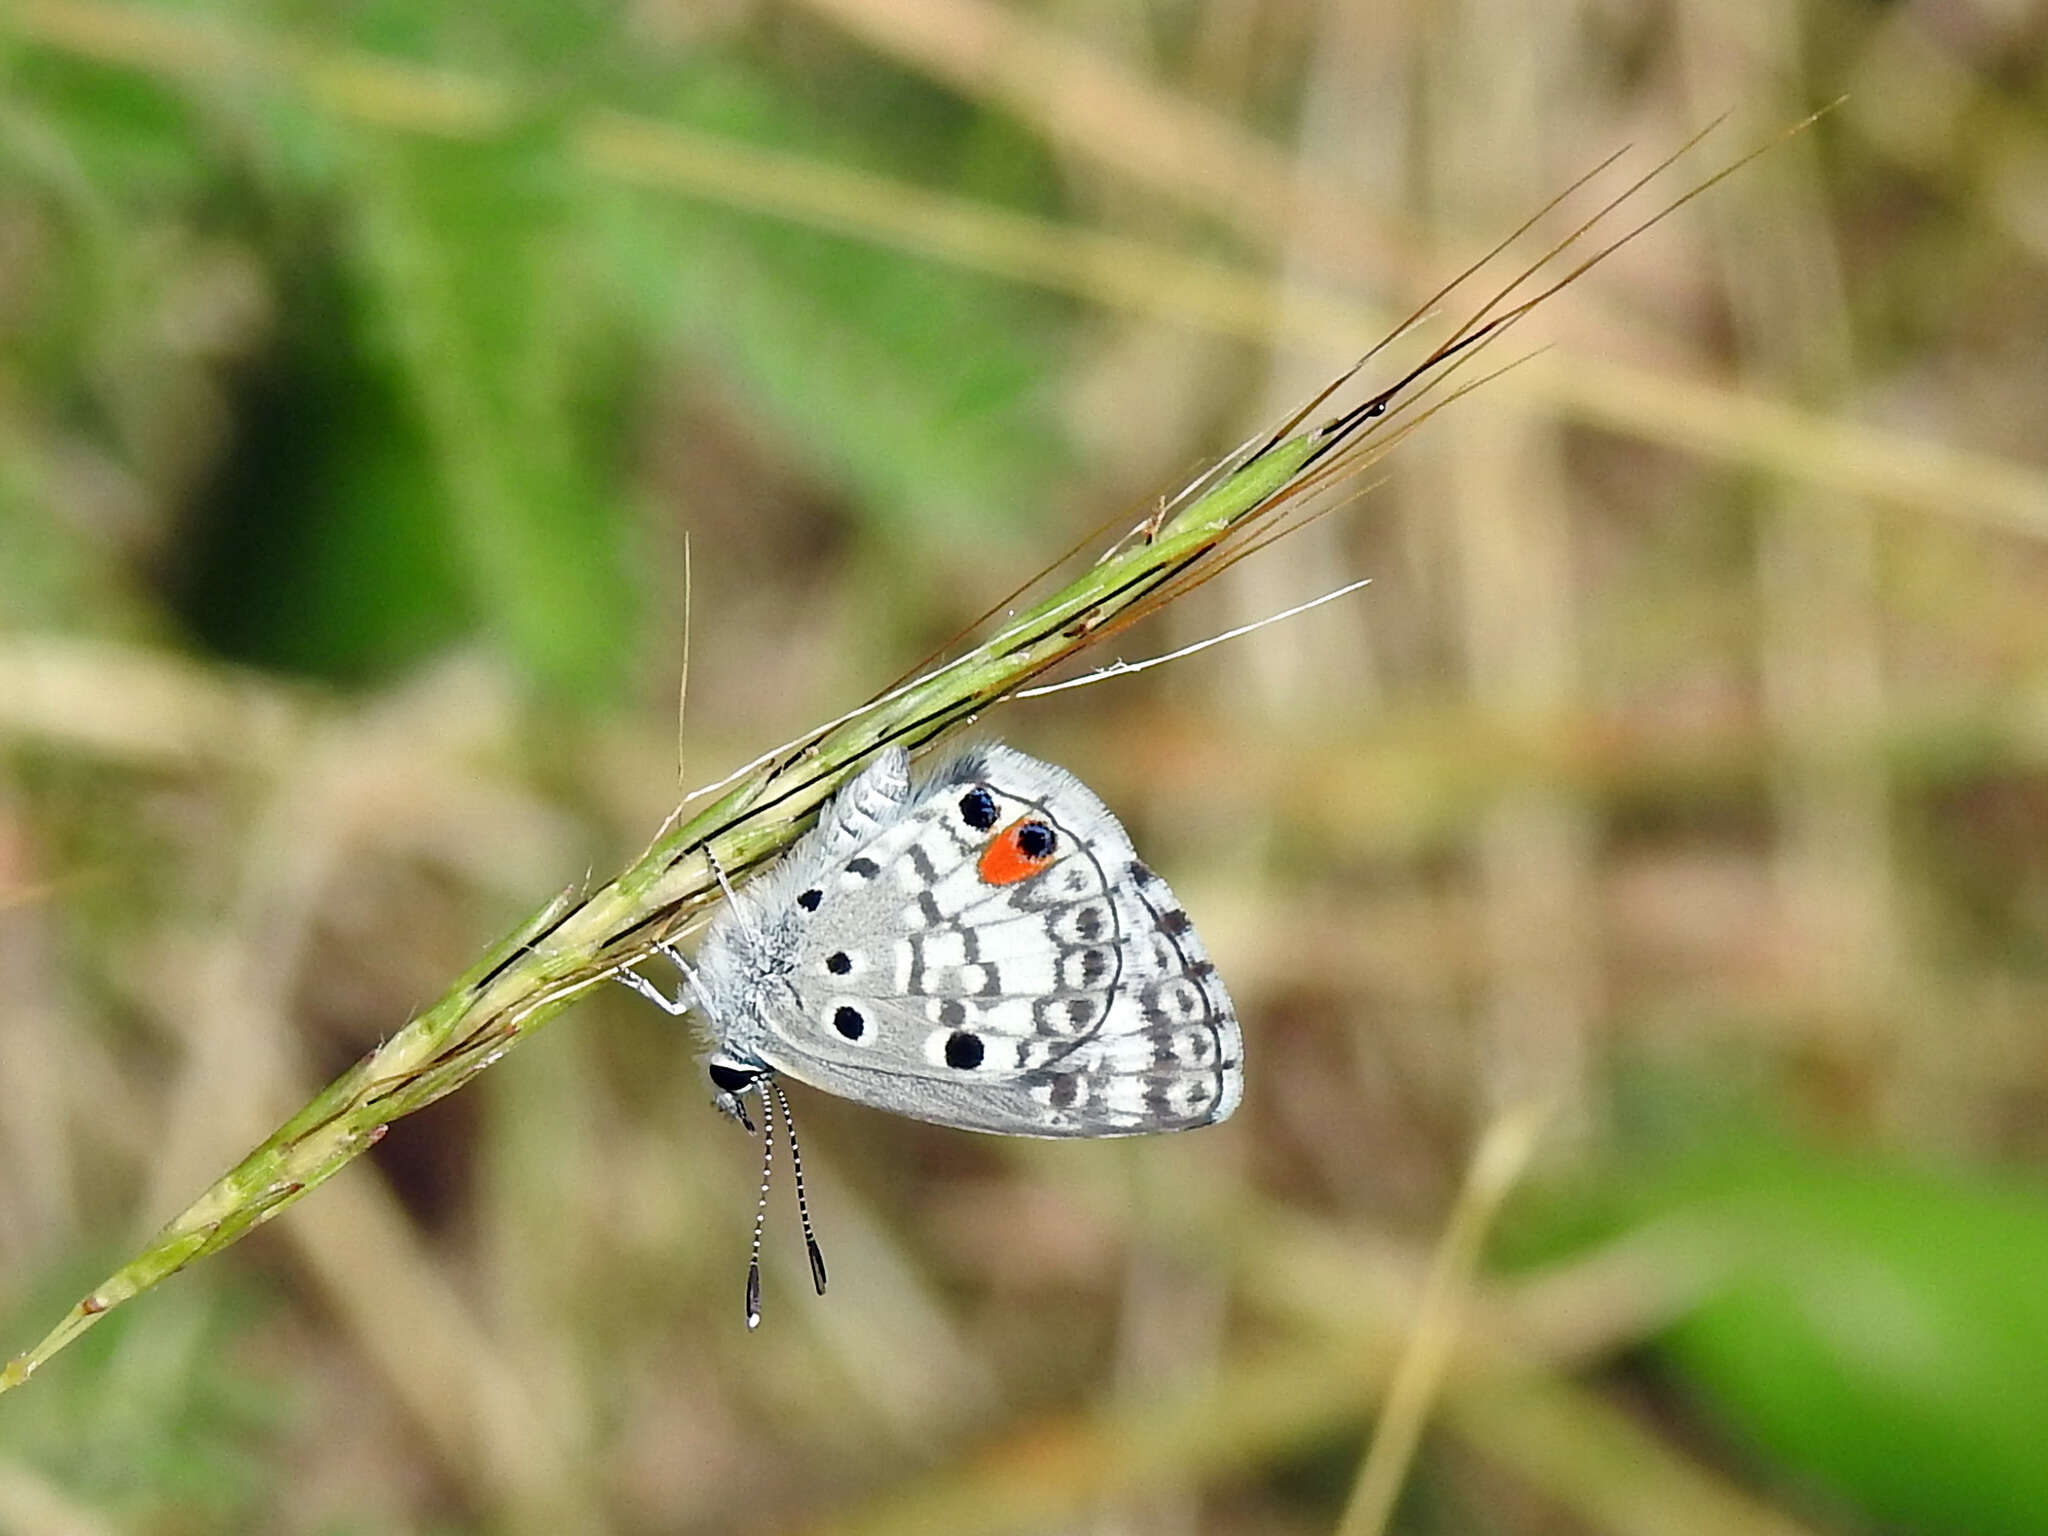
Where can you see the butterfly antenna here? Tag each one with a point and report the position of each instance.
(760, 1215)
(803, 1206)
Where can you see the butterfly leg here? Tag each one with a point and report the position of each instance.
(676, 1006)
(692, 995)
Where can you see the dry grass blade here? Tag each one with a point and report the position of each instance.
(1503, 1153)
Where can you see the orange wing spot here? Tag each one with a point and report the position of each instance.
(1004, 861)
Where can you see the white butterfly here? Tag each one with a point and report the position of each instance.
(981, 948)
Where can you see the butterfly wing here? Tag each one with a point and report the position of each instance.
(995, 957)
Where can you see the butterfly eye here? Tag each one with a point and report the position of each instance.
(730, 1079)
(978, 808)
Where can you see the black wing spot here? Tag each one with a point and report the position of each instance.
(809, 900)
(849, 1022)
(839, 963)
(963, 1051)
(864, 867)
(1036, 840)
(1173, 923)
(978, 808)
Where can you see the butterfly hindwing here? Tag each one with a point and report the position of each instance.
(985, 950)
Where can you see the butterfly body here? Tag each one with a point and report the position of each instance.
(981, 948)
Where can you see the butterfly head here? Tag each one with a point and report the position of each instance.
(731, 1078)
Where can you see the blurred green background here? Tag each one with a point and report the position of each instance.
(362, 370)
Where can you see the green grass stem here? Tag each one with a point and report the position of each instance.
(576, 942)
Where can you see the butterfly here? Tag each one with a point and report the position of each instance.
(981, 948)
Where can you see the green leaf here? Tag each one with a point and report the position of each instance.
(473, 255)
(1885, 1334)
(1874, 1333)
